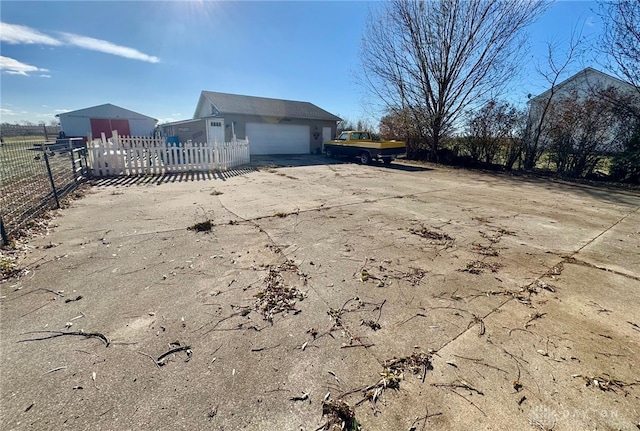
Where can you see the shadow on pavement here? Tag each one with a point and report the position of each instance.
(610, 193)
(405, 167)
(287, 161)
(257, 162)
(291, 161)
(177, 177)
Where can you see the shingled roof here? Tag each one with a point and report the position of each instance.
(262, 106)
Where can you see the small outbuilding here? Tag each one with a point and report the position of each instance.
(105, 118)
(273, 126)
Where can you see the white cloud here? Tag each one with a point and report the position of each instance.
(14, 67)
(60, 110)
(45, 76)
(20, 34)
(167, 120)
(45, 115)
(5, 111)
(107, 47)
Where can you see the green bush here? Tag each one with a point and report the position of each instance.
(625, 166)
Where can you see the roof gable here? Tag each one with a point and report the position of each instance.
(224, 103)
(588, 75)
(105, 110)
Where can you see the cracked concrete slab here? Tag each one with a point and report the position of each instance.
(522, 292)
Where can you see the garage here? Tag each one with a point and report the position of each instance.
(273, 126)
(267, 138)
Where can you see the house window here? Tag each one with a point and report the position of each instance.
(216, 124)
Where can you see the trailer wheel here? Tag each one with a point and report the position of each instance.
(387, 160)
(329, 153)
(365, 158)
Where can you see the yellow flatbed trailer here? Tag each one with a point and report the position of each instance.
(361, 144)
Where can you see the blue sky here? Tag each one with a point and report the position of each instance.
(156, 57)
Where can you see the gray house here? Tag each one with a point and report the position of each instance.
(105, 118)
(273, 126)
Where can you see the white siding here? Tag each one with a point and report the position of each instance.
(75, 126)
(141, 127)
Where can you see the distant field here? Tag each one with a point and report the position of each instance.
(23, 139)
(21, 133)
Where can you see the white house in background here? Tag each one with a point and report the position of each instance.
(105, 118)
(273, 126)
(581, 85)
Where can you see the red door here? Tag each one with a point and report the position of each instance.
(122, 126)
(100, 125)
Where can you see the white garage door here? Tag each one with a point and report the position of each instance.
(278, 138)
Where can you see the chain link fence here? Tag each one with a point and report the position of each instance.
(34, 175)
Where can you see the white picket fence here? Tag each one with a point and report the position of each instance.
(130, 156)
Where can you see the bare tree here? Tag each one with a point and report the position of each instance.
(621, 38)
(365, 125)
(539, 119)
(399, 125)
(437, 58)
(493, 132)
(625, 165)
(343, 124)
(360, 124)
(586, 129)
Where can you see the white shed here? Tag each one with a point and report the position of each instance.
(105, 118)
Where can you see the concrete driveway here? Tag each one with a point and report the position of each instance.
(299, 294)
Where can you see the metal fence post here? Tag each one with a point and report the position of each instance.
(53, 184)
(3, 233)
(73, 161)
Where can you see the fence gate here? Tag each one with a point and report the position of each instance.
(35, 175)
